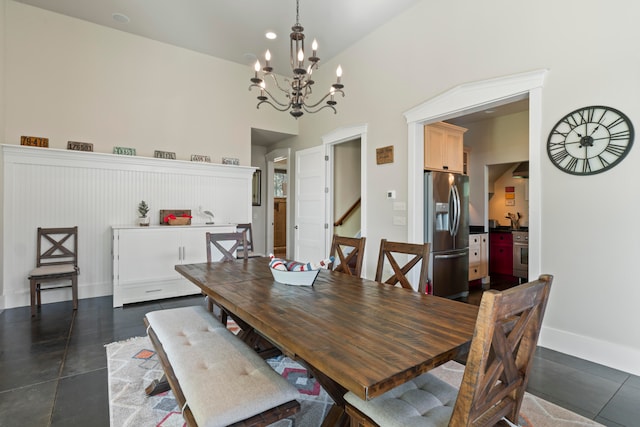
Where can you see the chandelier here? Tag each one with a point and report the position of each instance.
(297, 89)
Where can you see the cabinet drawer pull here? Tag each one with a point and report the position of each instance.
(153, 290)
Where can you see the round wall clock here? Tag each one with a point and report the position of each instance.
(590, 140)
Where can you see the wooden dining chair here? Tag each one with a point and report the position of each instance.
(495, 377)
(389, 251)
(250, 250)
(348, 253)
(227, 245)
(56, 261)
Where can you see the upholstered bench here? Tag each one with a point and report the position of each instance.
(216, 378)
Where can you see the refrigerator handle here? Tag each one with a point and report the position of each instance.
(455, 208)
(450, 256)
(452, 211)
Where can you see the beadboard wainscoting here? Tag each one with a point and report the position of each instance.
(46, 187)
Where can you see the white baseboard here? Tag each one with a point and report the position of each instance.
(22, 299)
(605, 353)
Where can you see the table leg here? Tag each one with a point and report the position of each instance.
(254, 340)
(337, 417)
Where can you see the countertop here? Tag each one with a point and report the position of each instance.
(165, 226)
(507, 229)
(476, 229)
(479, 229)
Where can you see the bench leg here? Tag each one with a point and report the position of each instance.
(157, 386)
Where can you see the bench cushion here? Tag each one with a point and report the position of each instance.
(223, 379)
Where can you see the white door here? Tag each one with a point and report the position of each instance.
(310, 205)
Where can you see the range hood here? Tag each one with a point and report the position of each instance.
(521, 171)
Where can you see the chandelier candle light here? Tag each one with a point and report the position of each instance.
(299, 87)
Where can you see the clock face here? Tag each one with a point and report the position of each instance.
(590, 140)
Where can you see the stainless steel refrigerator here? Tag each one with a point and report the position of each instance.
(446, 227)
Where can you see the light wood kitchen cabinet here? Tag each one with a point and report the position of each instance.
(144, 260)
(466, 160)
(478, 256)
(443, 147)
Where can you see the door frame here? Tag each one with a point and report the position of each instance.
(465, 99)
(330, 140)
(270, 158)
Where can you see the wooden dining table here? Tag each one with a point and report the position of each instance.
(352, 334)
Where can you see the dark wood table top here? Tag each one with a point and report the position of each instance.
(364, 336)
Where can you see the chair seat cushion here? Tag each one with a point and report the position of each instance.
(52, 270)
(425, 401)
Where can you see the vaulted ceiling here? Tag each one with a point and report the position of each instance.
(235, 29)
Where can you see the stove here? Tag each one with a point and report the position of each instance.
(520, 254)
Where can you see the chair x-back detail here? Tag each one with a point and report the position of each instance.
(56, 261)
(505, 339)
(227, 244)
(496, 374)
(389, 251)
(249, 249)
(348, 253)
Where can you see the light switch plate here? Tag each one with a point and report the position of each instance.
(399, 206)
(399, 220)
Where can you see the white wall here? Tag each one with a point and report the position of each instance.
(67, 79)
(259, 216)
(2, 123)
(436, 46)
(95, 191)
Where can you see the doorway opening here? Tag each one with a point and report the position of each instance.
(267, 158)
(465, 99)
(346, 177)
(277, 209)
(280, 186)
(347, 201)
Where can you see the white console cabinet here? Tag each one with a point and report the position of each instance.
(144, 260)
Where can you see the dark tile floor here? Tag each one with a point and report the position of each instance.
(53, 368)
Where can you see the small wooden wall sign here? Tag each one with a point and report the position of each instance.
(34, 141)
(79, 146)
(230, 161)
(384, 155)
(164, 155)
(200, 158)
(124, 151)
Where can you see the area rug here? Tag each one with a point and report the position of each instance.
(133, 364)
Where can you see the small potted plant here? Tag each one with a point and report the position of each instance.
(143, 209)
